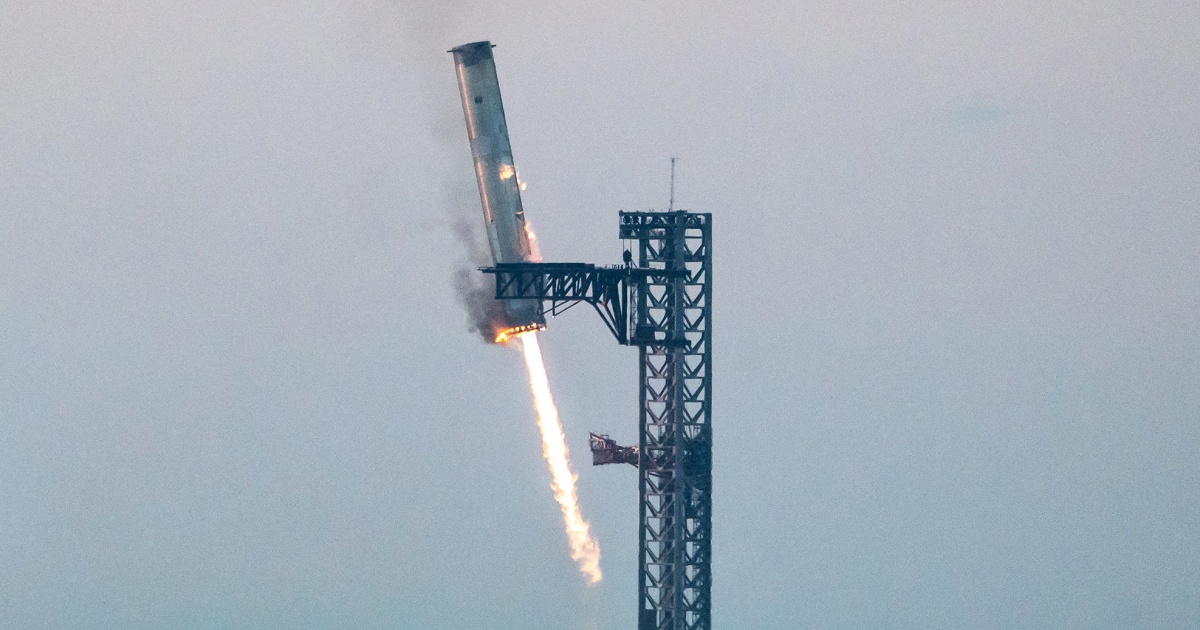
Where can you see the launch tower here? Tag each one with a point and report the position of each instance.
(660, 300)
(674, 339)
(663, 295)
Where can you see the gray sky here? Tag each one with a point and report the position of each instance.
(957, 351)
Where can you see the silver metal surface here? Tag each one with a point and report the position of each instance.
(495, 172)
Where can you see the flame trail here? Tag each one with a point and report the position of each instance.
(584, 548)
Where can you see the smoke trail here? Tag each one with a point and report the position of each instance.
(584, 548)
(474, 290)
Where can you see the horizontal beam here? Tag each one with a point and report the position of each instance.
(607, 289)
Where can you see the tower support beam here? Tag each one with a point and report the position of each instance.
(674, 305)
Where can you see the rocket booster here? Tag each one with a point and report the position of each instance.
(494, 169)
(499, 191)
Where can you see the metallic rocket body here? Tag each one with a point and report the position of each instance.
(495, 172)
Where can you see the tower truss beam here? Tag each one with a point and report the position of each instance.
(562, 285)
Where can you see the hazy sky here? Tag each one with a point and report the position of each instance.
(957, 352)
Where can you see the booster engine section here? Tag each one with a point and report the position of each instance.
(499, 191)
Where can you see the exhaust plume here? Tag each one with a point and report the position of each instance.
(585, 550)
(475, 292)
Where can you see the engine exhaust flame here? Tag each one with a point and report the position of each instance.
(585, 550)
(503, 336)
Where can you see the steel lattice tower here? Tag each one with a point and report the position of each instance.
(665, 299)
(673, 315)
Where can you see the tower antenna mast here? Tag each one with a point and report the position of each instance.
(671, 205)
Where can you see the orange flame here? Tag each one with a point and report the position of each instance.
(506, 335)
(585, 550)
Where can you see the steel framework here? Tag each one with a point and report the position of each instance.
(565, 284)
(665, 297)
(675, 436)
